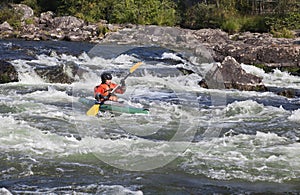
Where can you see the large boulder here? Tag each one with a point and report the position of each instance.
(63, 73)
(8, 73)
(25, 11)
(230, 75)
(68, 23)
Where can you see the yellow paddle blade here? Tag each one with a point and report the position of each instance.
(134, 67)
(93, 110)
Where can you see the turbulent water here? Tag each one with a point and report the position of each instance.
(194, 141)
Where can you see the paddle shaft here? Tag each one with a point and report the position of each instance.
(132, 69)
(118, 84)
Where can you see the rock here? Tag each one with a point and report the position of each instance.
(46, 18)
(5, 26)
(67, 23)
(8, 73)
(256, 48)
(53, 74)
(230, 75)
(211, 36)
(23, 9)
(208, 45)
(63, 73)
(289, 93)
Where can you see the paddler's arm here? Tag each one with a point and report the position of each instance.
(121, 88)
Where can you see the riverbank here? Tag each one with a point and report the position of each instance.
(258, 49)
(261, 50)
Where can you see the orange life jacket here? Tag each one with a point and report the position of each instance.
(104, 89)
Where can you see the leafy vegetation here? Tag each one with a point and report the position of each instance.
(13, 18)
(275, 16)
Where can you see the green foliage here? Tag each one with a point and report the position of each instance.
(241, 15)
(282, 33)
(159, 12)
(202, 16)
(289, 21)
(33, 4)
(281, 25)
(231, 26)
(278, 17)
(254, 24)
(12, 17)
(29, 21)
(102, 30)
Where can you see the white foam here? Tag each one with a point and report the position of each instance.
(167, 55)
(295, 117)
(26, 73)
(260, 157)
(4, 191)
(248, 107)
(276, 78)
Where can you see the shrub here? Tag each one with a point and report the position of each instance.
(282, 33)
(231, 26)
(255, 24)
(10, 16)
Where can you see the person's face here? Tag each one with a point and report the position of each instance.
(108, 82)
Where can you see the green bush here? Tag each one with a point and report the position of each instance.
(10, 16)
(254, 24)
(33, 4)
(102, 30)
(231, 26)
(282, 33)
(289, 21)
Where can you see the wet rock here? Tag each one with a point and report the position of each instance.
(53, 74)
(230, 75)
(63, 73)
(8, 73)
(289, 93)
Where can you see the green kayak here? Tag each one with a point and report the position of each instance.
(115, 107)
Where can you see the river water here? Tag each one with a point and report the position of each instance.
(194, 141)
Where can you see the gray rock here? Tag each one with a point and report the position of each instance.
(67, 22)
(255, 48)
(8, 73)
(46, 18)
(5, 26)
(23, 9)
(63, 73)
(230, 75)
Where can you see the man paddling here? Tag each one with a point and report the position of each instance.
(105, 91)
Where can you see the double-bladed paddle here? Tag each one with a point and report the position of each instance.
(95, 108)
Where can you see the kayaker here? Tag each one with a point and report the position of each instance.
(103, 92)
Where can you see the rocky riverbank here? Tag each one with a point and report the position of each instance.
(261, 50)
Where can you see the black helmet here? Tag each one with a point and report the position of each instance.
(105, 76)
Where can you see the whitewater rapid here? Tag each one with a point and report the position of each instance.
(204, 135)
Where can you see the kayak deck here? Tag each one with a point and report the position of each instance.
(115, 107)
